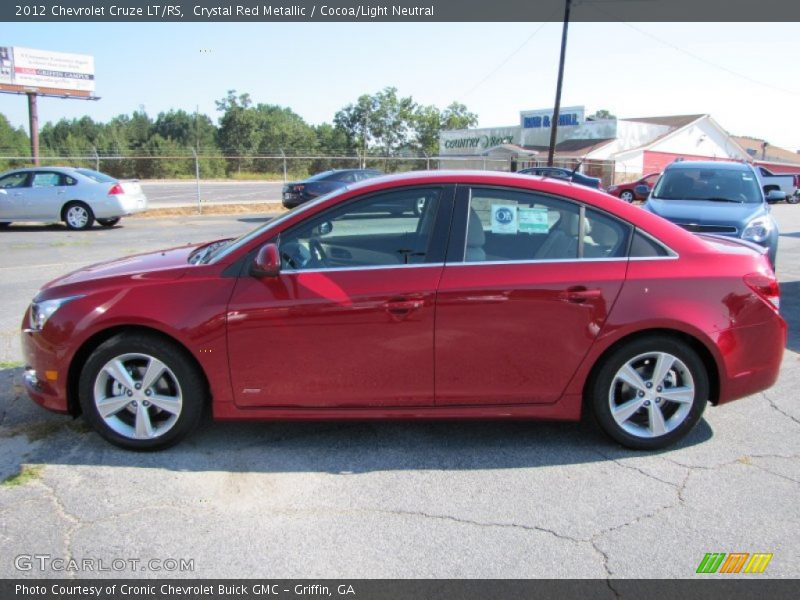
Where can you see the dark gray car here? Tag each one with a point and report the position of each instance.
(722, 198)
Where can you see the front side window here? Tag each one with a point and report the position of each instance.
(505, 225)
(15, 180)
(389, 229)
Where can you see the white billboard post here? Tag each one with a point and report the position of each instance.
(45, 73)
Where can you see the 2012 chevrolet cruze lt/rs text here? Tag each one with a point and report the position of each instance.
(502, 296)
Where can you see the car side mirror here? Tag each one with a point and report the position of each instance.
(641, 190)
(325, 228)
(776, 196)
(267, 262)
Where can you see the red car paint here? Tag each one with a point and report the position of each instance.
(619, 189)
(437, 341)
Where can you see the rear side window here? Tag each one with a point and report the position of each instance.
(48, 179)
(511, 226)
(646, 247)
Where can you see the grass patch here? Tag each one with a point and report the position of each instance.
(211, 209)
(10, 364)
(27, 473)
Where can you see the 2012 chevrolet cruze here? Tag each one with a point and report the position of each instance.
(503, 296)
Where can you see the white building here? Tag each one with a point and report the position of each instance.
(615, 149)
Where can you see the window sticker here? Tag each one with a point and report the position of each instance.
(533, 220)
(504, 218)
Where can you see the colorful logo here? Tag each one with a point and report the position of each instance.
(736, 562)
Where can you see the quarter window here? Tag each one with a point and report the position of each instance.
(390, 229)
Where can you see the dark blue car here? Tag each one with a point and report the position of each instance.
(561, 173)
(722, 198)
(297, 192)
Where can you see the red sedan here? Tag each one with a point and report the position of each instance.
(627, 191)
(504, 296)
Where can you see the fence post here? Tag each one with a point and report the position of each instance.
(96, 159)
(284, 165)
(427, 161)
(197, 179)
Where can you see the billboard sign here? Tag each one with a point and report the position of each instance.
(29, 70)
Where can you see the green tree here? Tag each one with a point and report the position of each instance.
(13, 142)
(602, 114)
(381, 121)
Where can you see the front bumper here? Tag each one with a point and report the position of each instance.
(46, 372)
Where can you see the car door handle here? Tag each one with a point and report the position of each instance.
(402, 306)
(579, 294)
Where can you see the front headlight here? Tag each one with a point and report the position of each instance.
(758, 229)
(42, 311)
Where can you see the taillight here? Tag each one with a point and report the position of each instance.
(115, 190)
(299, 188)
(765, 286)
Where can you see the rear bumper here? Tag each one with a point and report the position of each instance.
(751, 358)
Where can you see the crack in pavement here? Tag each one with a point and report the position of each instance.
(74, 522)
(779, 409)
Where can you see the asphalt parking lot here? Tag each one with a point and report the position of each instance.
(380, 500)
(164, 194)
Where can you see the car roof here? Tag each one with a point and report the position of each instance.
(41, 168)
(708, 164)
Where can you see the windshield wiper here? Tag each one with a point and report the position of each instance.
(718, 199)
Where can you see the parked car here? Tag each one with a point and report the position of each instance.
(507, 297)
(627, 191)
(788, 183)
(75, 196)
(723, 198)
(297, 192)
(561, 173)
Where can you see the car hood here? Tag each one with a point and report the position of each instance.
(704, 212)
(162, 264)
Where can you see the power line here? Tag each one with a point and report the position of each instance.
(692, 54)
(510, 56)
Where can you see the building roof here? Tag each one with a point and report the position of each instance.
(752, 146)
(673, 121)
(575, 147)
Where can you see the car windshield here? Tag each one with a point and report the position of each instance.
(96, 175)
(224, 249)
(710, 184)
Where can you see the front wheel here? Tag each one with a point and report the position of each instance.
(108, 222)
(78, 216)
(650, 393)
(141, 393)
(627, 196)
(793, 199)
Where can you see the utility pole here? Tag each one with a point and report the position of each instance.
(33, 119)
(557, 109)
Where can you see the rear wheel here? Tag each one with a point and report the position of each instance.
(108, 222)
(627, 195)
(650, 393)
(141, 393)
(78, 216)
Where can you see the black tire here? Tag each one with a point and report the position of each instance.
(627, 196)
(679, 417)
(181, 380)
(77, 216)
(793, 199)
(108, 222)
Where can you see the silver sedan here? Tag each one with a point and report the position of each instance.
(75, 196)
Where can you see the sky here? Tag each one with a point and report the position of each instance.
(743, 74)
